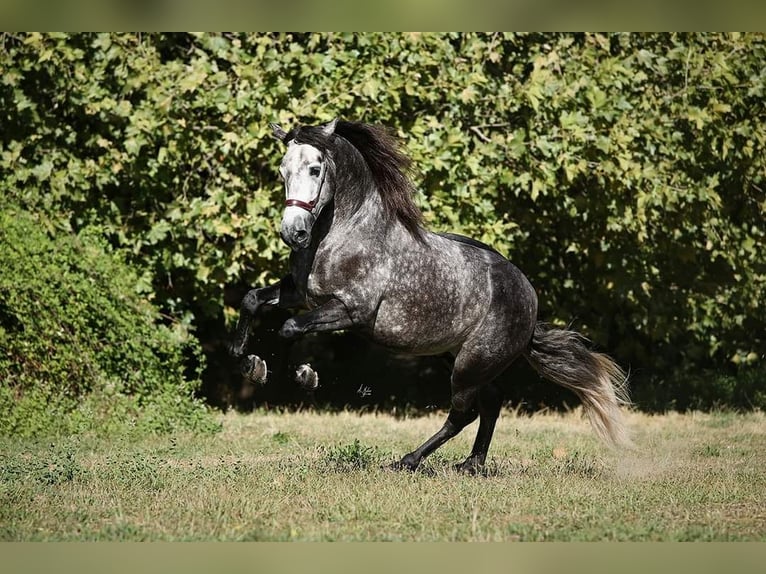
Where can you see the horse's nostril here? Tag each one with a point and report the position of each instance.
(301, 235)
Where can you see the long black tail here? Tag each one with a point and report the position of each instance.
(563, 357)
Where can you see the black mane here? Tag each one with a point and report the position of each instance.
(388, 165)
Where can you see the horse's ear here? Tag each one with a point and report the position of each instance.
(329, 128)
(278, 132)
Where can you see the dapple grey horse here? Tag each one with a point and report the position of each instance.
(361, 259)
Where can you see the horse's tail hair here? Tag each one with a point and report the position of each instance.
(563, 357)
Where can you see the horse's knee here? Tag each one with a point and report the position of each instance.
(250, 302)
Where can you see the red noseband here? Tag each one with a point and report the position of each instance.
(308, 206)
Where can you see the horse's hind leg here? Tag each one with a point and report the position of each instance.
(490, 401)
(456, 421)
(473, 370)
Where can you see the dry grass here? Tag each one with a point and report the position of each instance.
(307, 476)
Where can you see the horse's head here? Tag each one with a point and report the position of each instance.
(307, 172)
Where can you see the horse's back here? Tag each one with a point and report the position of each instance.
(469, 241)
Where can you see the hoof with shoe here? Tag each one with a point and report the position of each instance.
(307, 377)
(254, 369)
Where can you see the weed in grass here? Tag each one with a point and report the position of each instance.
(720, 419)
(708, 451)
(58, 466)
(280, 437)
(353, 456)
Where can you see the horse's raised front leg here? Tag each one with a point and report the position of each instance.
(307, 377)
(282, 294)
(332, 316)
(254, 369)
(254, 300)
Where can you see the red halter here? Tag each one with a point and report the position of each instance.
(308, 206)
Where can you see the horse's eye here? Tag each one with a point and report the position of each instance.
(314, 171)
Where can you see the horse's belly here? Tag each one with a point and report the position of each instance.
(419, 329)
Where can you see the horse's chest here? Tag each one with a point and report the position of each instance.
(337, 272)
(333, 278)
(316, 288)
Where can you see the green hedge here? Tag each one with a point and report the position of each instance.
(623, 173)
(80, 349)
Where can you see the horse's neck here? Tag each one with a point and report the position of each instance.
(356, 197)
(364, 222)
(369, 232)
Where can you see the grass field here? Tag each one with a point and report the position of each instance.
(308, 476)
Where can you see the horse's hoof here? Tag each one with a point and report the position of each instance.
(472, 468)
(307, 377)
(254, 369)
(404, 464)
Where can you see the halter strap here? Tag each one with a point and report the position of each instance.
(308, 206)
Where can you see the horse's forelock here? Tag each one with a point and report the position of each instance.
(311, 135)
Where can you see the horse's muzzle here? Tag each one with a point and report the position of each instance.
(296, 228)
(297, 240)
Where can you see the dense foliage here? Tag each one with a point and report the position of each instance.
(623, 173)
(79, 348)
